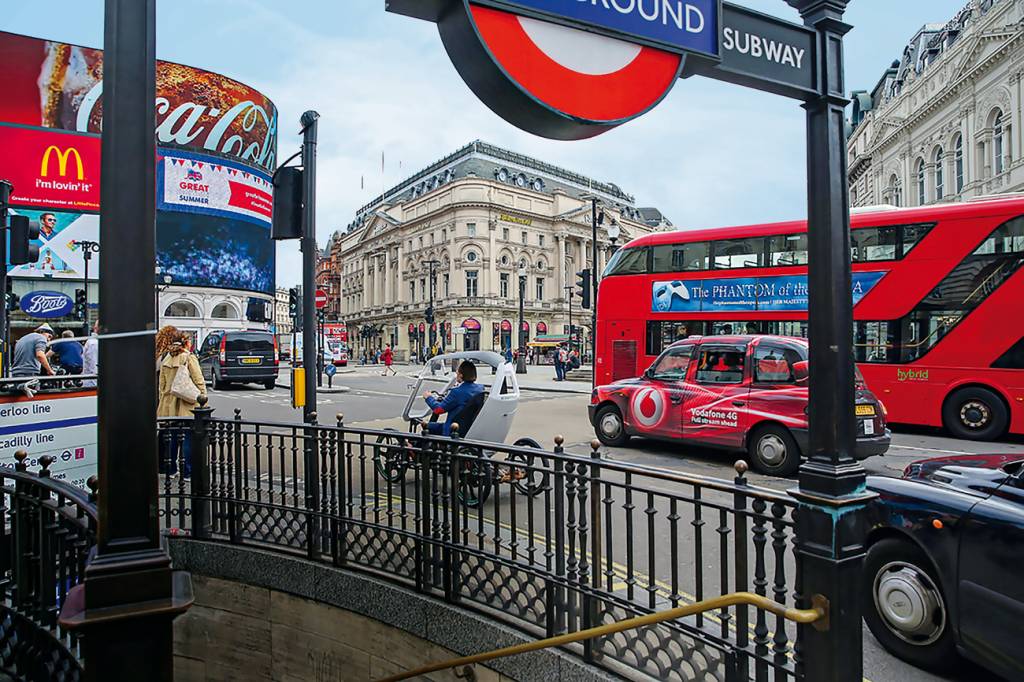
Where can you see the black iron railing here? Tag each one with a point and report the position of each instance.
(48, 529)
(548, 541)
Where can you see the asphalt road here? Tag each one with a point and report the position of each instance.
(373, 400)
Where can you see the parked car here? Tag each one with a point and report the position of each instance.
(734, 392)
(942, 575)
(248, 356)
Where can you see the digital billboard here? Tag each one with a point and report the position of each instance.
(216, 137)
(57, 85)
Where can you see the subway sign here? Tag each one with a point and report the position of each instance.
(573, 69)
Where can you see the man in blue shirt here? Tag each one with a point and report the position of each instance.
(68, 352)
(455, 400)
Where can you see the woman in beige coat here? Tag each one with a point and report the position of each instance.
(179, 354)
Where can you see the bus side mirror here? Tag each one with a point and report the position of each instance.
(800, 372)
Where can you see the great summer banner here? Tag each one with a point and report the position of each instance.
(196, 183)
(744, 294)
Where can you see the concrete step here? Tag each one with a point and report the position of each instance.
(581, 374)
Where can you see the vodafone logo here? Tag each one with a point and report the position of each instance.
(647, 407)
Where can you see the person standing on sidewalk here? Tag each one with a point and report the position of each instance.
(388, 357)
(561, 358)
(91, 355)
(173, 404)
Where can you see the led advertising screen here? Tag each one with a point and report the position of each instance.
(60, 256)
(206, 250)
(57, 85)
(215, 137)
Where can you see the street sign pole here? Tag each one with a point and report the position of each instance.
(831, 523)
(5, 196)
(130, 595)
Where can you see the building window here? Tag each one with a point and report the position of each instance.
(895, 191)
(184, 309)
(958, 162)
(444, 235)
(939, 174)
(423, 288)
(471, 229)
(224, 311)
(540, 240)
(504, 233)
(526, 236)
(998, 142)
(540, 288)
(447, 285)
(920, 183)
(412, 291)
(431, 238)
(471, 283)
(503, 285)
(421, 242)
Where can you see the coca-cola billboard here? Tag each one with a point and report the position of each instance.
(57, 85)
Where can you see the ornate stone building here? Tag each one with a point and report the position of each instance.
(944, 121)
(282, 315)
(467, 228)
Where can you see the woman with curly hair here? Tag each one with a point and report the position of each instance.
(165, 337)
(177, 356)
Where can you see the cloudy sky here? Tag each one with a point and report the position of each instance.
(711, 154)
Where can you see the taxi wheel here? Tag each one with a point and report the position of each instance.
(773, 451)
(609, 426)
(975, 413)
(904, 606)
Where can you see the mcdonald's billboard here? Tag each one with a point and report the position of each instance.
(54, 170)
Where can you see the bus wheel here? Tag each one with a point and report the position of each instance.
(609, 426)
(975, 413)
(773, 451)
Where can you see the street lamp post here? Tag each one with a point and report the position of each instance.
(429, 317)
(521, 360)
(568, 299)
(88, 247)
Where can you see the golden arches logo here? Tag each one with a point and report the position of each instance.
(62, 161)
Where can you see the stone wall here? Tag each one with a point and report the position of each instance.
(240, 632)
(264, 615)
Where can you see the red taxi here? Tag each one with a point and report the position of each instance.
(732, 392)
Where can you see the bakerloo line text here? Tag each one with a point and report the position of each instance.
(682, 15)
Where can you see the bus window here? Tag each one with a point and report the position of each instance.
(738, 253)
(681, 257)
(662, 334)
(628, 262)
(1007, 238)
(874, 244)
(911, 235)
(873, 342)
(787, 249)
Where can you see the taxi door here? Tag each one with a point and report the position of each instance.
(715, 399)
(655, 408)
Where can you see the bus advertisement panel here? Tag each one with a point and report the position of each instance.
(938, 334)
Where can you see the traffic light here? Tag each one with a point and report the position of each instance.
(23, 232)
(80, 304)
(11, 299)
(583, 287)
(429, 315)
(293, 302)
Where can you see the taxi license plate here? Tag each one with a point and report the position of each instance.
(256, 361)
(865, 410)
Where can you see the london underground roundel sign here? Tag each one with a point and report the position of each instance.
(570, 69)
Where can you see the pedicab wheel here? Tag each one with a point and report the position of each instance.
(529, 481)
(391, 456)
(476, 476)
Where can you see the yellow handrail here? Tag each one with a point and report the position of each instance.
(818, 615)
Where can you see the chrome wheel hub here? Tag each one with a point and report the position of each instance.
(611, 425)
(909, 603)
(771, 449)
(975, 414)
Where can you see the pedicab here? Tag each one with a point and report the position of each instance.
(487, 418)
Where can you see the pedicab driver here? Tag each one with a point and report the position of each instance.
(455, 399)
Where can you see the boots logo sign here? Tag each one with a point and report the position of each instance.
(573, 69)
(46, 304)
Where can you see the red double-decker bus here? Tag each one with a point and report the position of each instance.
(938, 293)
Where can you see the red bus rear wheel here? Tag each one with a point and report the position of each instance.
(975, 413)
